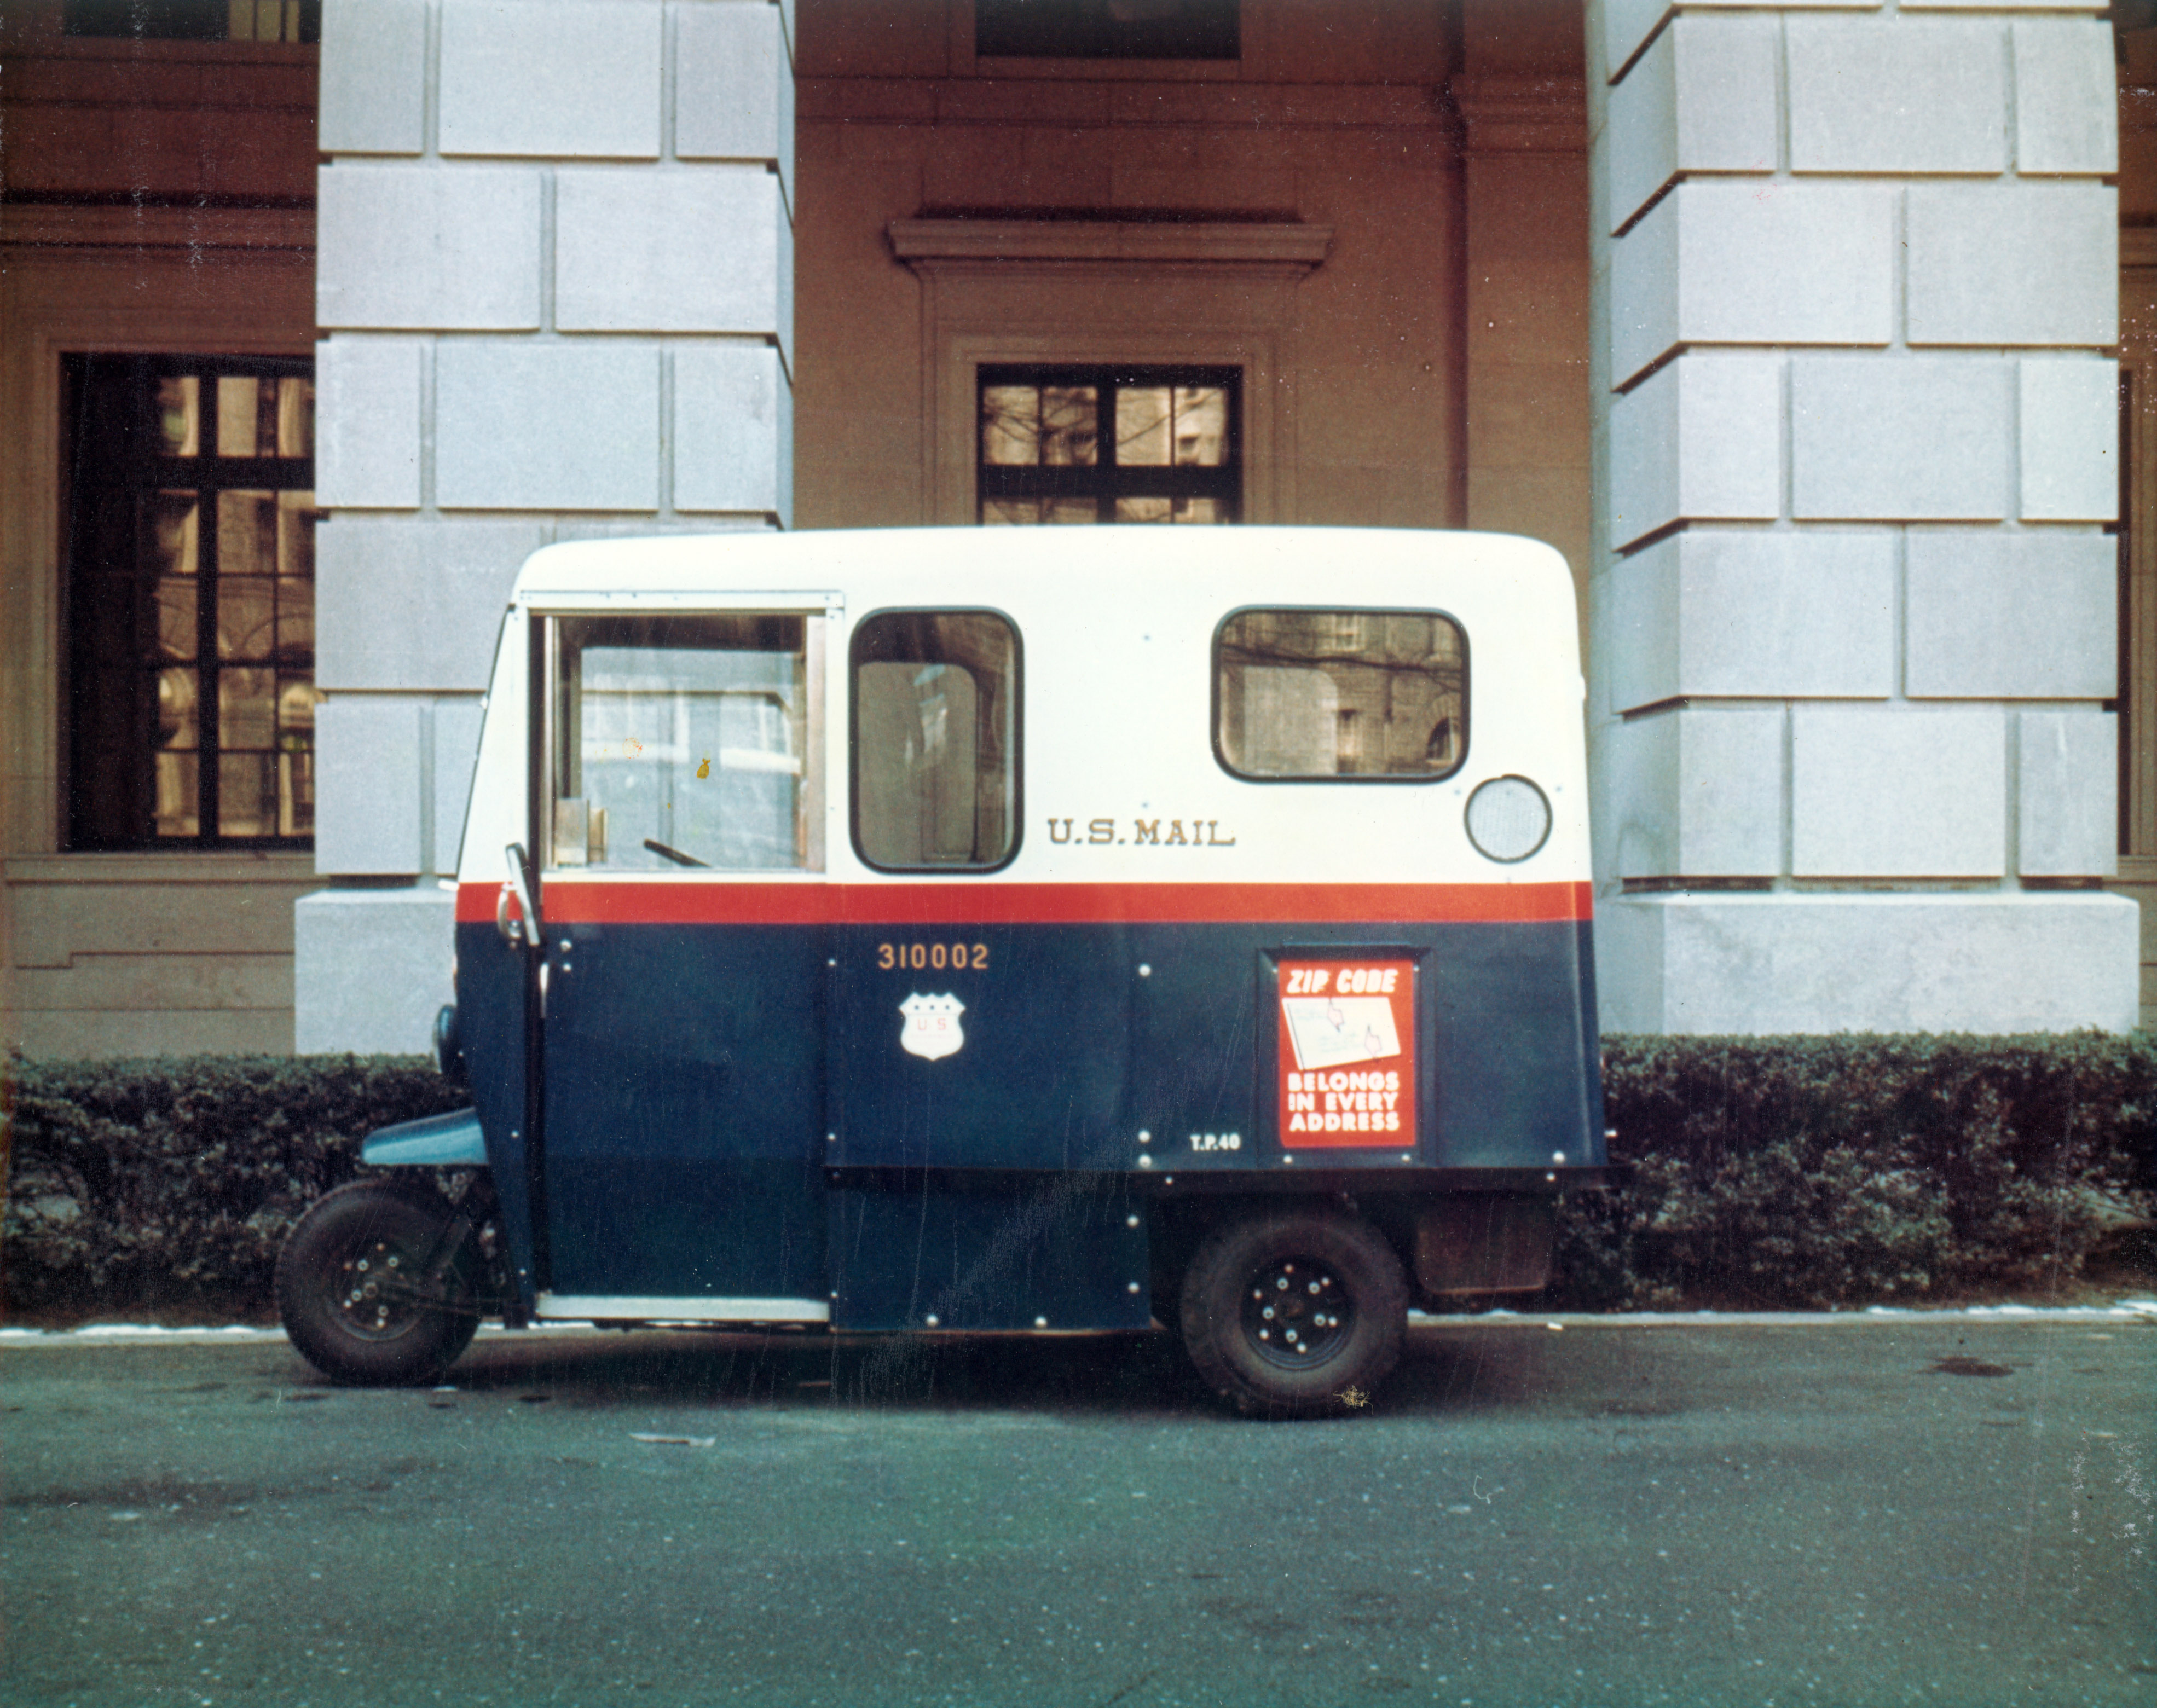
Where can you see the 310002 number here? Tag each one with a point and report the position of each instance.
(954, 957)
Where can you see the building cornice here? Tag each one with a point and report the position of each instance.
(1509, 113)
(61, 225)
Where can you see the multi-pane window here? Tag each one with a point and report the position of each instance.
(191, 602)
(1310, 694)
(1089, 445)
(1108, 29)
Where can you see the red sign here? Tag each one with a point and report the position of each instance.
(1347, 1055)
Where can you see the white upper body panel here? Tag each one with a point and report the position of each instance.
(1118, 628)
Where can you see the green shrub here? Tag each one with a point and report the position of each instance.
(1812, 1171)
(150, 1183)
(1799, 1172)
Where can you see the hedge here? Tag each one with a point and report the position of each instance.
(1851, 1170)
(157, 1184)
(1803, 1172)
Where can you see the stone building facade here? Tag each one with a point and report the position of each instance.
(1800, 330)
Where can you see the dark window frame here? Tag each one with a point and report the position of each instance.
(1386, 778)
(1202, 30)
(1107, 480)
(144, 469)
(178, 21)
(1016, 759)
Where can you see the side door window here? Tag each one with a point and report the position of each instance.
(682, 742)
(935, 741)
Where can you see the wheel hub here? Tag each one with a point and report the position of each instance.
(1295, 1313)
(375, 1295)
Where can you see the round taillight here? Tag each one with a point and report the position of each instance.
(1509, 818)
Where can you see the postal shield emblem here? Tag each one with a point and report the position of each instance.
(931, 1028)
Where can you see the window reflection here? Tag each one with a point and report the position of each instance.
(258, 416)
(1045, 426)
(1165, 425)
(179, 415)
(1097, 444)
(1027, 511)
(1342, 694)
(934, 739)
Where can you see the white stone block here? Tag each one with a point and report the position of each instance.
(1891, 792)
(2001, 5)
(1884, 438)
(2014, 264)
(697, 250)
(1896, 95)
(1723, 614)
(1627, 24)
(2069, 807)
(366, 416)
(1739, 263)
(369, 755)
(1701, 440)
(554, 77)
(734, 86)
(2066, 108)
(414, 606)
(1698, 794)
(1702, 99)
(455, 247)
(2011, 616)
(2070, 437)
(456, 747)
(565, 426)
(733, 430)
(370, 968)
(374, 77)
(1762, 964)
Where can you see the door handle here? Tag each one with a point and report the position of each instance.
(517, 888)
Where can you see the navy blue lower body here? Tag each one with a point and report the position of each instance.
(879, 1117)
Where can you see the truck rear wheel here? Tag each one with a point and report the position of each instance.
(1294, 1313)
(353, 1294)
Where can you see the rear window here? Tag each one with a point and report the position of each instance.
(934, 700)
(1340, 694)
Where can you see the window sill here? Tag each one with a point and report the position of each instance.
(925, 243)
(179, 866)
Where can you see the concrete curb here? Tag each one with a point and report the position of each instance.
(2141, 1310)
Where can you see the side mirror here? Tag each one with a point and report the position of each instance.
(519, 889)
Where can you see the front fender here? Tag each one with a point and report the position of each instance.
(435, 1141)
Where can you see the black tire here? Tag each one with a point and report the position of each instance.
(1297, 1312)
(339, 1319)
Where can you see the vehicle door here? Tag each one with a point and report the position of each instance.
(685, 954)
(980, 1024)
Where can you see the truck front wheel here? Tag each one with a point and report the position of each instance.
(354, 1293)
(1294, 1313)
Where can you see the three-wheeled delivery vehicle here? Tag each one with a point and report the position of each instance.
(939, 932)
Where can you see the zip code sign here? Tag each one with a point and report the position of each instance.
(1347, 1054)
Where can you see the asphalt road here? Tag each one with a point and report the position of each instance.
(1946, 1510)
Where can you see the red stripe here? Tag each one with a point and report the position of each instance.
(584, 901)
